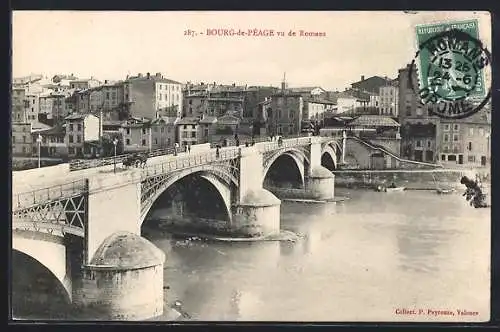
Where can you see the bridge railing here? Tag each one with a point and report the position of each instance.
(48, 194)
(183, 162)
(286, 143)
(79, 164)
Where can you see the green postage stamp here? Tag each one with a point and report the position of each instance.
(450, 62)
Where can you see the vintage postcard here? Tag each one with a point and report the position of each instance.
(251, 166)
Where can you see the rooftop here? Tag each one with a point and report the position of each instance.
(208, 119)
(188, 120)
(374, 120)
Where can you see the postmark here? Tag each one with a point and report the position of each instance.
(450, 63)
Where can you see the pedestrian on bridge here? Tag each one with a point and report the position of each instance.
(176, 148)
(217, 151)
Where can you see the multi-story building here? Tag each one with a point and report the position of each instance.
(371, 84)
(21, 139)
(56, 106)
(81, 131)
(189, 131)
(284, 113)
(152, 96)
(163, 132)
(389, 100)
(20, 105)
(84, 84)
(52, 142)
(253, 96)
(216, 100)
(465, 141)
(136, 135)
(418, 125)
(316, 109)
(208, 129)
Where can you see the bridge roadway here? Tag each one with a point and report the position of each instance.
(58, 181)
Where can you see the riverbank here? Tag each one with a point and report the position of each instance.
(410, 179)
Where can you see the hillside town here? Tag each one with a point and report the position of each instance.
(66, 117)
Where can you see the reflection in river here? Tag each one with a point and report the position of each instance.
(356, 260)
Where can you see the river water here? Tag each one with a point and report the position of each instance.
(373, 257)
(369, 258)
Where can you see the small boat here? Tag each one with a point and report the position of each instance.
(395, 189)
(389, 189)
(445, 191)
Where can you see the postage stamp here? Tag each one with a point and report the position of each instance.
(450, 62)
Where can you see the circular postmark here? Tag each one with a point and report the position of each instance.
(451, 74)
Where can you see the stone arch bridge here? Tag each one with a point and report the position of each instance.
(93, 204)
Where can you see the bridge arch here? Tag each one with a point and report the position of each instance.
(298, 156)
(49, 253)
(329, 158)
(221, 178)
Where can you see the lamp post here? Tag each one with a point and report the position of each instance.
(39, 142)
(115, 142)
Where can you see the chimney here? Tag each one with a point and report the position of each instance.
(139, 75)
(362, 77)
(105, 81)
(158, 75)
(148, 75)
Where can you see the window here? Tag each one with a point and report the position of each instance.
(190, 102)
(162, 129)
(419, 144)
(24, 149)
(471, 159)
(446, 127)
(185, 126)
(455, 127)
(419, 111)
(155, 129)
(79, 127)
(78, 139)
(446, 148)
(168, 141)
(471, 131)
(429, 144)
(193, 134)
(24, 139)
(128, 131)
(144, 131)
(455, 137)
(469, 147)
(290, 114)
(143, 142)
(452, 157)
(446, 138)
(70, 127)
(107, 95)
(156, 140)
(481, 132)
(13, 139)
(193, 126)
(443, 157)
(71, 138)
(408, 110)
(71, 150)
(127, 141)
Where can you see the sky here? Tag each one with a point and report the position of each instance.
(112, 44)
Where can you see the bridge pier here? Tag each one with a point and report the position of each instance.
(258, 210)
(258, 214)
(124, 280)
(320, 184)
